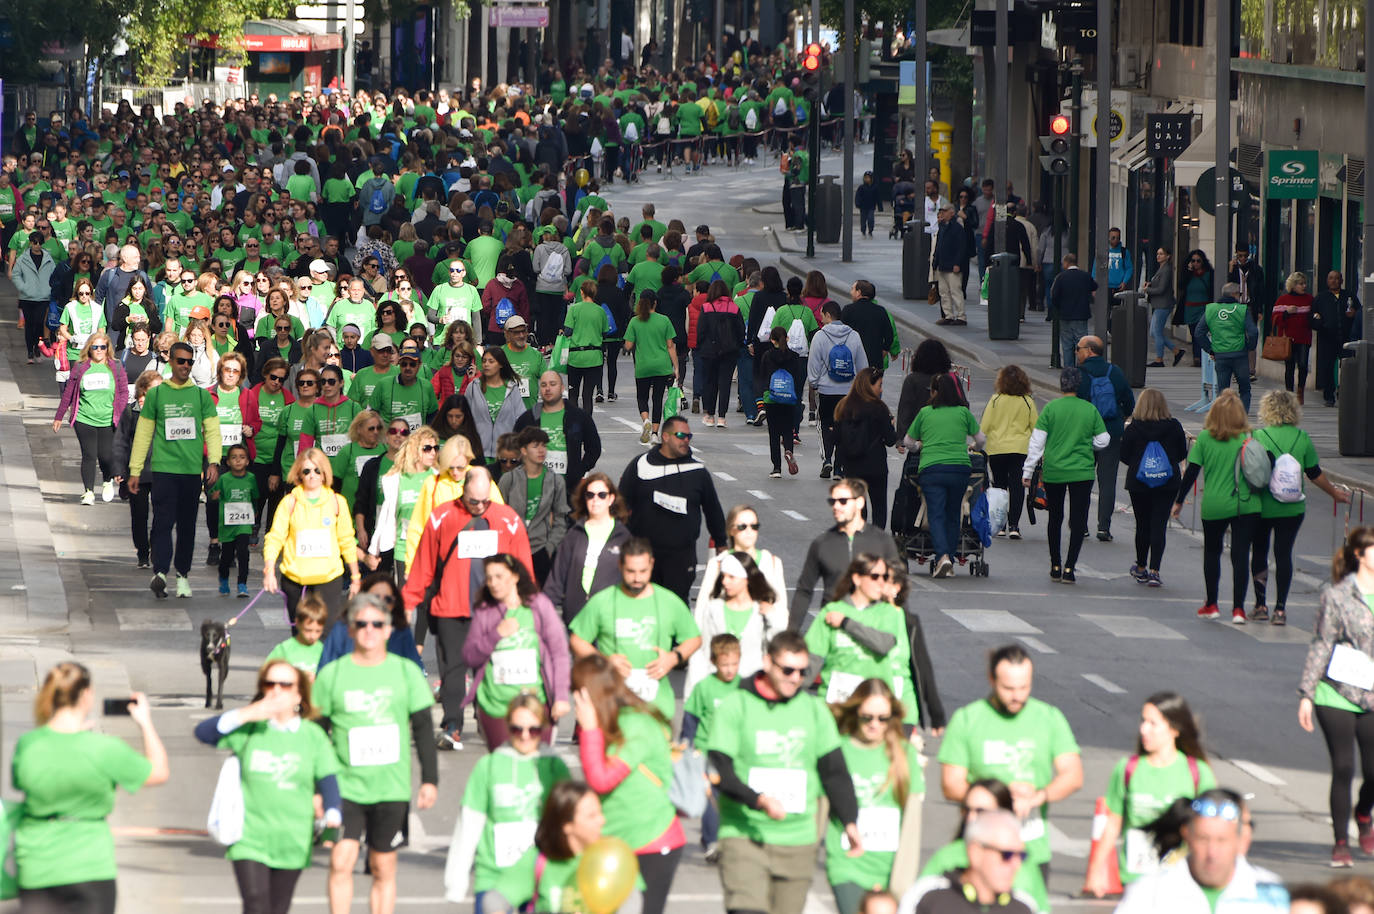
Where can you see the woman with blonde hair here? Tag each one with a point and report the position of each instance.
(401, 488)
(1280, 412)
(1008, 420)
(1153, 446)
(364, 443)
(1291, 316)
(312, 534)
(1228, 500)
(63, 848)
(94, 397)
(444, 486)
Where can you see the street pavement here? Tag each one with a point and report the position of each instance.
(1100, 648)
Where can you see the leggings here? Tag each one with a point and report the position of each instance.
(1213, 532)
(266, 504)
(1343, 730)
(1285, 530)
(1080, 497)
(97, 446)
(331, 592)
(827, 417)
(212, 518)
(715, 394)
(138, 517)
(583, 382)
(782, 420)
(96, 897)
(1298, 359)
(649, 395)
(35, 314)
(1006, 474)
(1151, 507)
(236, 548)
(658, 870)
(877, 496)
(264, 890)
(612, 348)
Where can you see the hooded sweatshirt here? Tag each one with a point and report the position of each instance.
(817, 367)
(667, 497)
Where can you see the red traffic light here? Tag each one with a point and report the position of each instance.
(811, 63)
(813, 50)
(1059, 124)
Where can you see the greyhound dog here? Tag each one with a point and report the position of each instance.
(214, 654)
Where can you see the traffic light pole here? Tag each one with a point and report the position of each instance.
(1102, 188)
(851, 75)
(1001, 129)
(813, 154)
(1075, 150)
(1058, 229)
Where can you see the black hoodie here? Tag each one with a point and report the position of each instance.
(667, 498)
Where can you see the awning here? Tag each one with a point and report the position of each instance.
(1197, 158)
(1135, 151)
(280, 35)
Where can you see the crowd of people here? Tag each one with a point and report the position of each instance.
(372, 343)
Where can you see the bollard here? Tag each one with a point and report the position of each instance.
(1004, 288)
(1130, 332)
(1355, 430)
(915, 264)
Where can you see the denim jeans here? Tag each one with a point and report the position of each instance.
(1070, 332)
(744, 374)
(1047, 274)
(1237, 365)
(1159, 325)
(943, 487)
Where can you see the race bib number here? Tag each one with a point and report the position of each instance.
(1351, 666)
(179, 429)
(525, 387)
(379, 744)
(841, 686)
(314, 544)
(230, 434)
(556, 461)
(880, 829)
(239, 514)
(787, 785)
(97, 380)
(675, 503)
(1033, 827)
(642, 684)
(515, 667)
(1142, 857)
(78, 340)
(477, 544)
(333, 444)
(512, 840)
(412, 419)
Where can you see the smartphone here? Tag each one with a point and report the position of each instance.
(117, 707)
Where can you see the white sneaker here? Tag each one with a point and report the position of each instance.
(88, 498)
(107, 493)
(646, 432)
(709, 421)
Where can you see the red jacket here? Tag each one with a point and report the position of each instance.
(248, 408)
(445, 523)
(1292, 317)
(442, 382)
(693, 315)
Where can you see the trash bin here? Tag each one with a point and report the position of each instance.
(916, 265)
(1355, 436)
(829, 211)
(1004, 290)
(1130, 332)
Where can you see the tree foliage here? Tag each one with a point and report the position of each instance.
(157, 30)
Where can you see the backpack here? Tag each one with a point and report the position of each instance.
(631, 133)
(782, 387)
(1285, 482)
(715, 275)
(505, 310)
(839, 363)
(1155, 467)
(796, 337)
(665, 125)
(552, 272)
(376, 204)
(712, 115)
(1102, 393)
(780, 107)
(751, 119)
(605, 261)
(611, 328)
(801, 115)
(1252, 462)
(732, 117)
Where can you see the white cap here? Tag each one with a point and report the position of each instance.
(318, 266)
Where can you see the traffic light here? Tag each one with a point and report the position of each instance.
(1056, 144)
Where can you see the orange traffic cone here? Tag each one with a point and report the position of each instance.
(1100, 826)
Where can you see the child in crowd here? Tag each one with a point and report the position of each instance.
(697, 712)
(237, 492)
(304, 649)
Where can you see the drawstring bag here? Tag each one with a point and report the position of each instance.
(225, 822)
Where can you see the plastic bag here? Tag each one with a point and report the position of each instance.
(225, 821)
(558, 356)
(998, 502)
(672, 402)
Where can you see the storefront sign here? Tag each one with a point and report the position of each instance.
(1291, 174)
(1205, 193)
(1331, 174)
(1167, 135)
(519, 16)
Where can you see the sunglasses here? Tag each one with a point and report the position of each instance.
(279, 378)
(753, 526)
(328, 381)
(99, 347)
(1007, 856)
(509, 461)
(311, 471)
(476, 502)
(839, 501)
(270, 684)
(877, 575)
(683, 436)
(360, 624)
(283, 328)
(874, 718)
(303, 382)
(184, 361)
(403, 432)
(407, 360)
(522, 731)
(790, 671)
(83, 294)
(603, 495)
(429, 448)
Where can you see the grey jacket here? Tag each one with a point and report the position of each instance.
(32, 280)
(550, 522)
(817, 365)
(541, 257)
(488, 429)
(1342, 618)
(1160, 288)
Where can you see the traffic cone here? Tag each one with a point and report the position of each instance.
(1100, 826)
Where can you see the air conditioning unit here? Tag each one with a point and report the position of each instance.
(1128, 66)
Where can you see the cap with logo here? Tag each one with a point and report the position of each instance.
(515, 322)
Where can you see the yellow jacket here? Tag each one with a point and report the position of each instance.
(1008, 422)
(440, 490)
(301, 537)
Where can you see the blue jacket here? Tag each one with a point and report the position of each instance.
(1120, 269)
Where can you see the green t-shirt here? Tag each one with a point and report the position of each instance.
(705, 698)
(270, 408)
(658, 228)
(304, 657)
(300, 187)
(1029, 880)
(558, 888)
(483, 253)
(943, 432)
(96, 403)
(407, 497)
(412, 402)
(81, 321)
(448, 303)
(336, 190)
(179, 414)
(880, 816)
(713, 270)
(690, 119)
(528, 365)
(774, 747)
(589, 328)
(332, 425)
(651, 345)
(279, 771)
(988, 743)
(297, 420)
(513, 667)
(237, 495)
(534, 491)
(1149, 793)
(367, 380)
(346, 312)
(69, 781)
(1286, 439)
(348, 467)
(847, 663)
(1224, 492)
(617, 623)
(369, 710)
(638, 810)
(509, 790)
(557, 454)
(1069, 424)
(1213, 895)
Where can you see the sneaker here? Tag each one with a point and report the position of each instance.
(1260, 614)
(243, 591)
(1340, 856)
(811, 418)
(1002, 534)
(183, 587)
(1013, 534)
(646, 432)
(612, 396)
(713, 852)
(1280, 617)
(758, 420)
(449, 742)
(1153, 580)
(945, 569)
(1104, 536)
(88, 497)
(1237, 616)
(599, 397)
(1209, 611)
(107, 492)
(212, 555)
(720, 423)
(224, 587)
(158, 585)
(1138, 572)
(825, 469)
(696, 404)
(1056, 573)
(775, 473)
(655, 439)
(143, 561)
(1365, 826)
(1067, 577)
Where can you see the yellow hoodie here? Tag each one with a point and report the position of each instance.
(313, 539)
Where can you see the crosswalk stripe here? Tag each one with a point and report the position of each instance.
(724, 477)
(1133, 627)
(997, 621)
(1105, 685)
(795, 516)
(153, 620)
(1036, 644)
(760, 494)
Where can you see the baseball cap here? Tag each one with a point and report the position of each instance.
(410, 349)
(383, 341)
(227, 169)
(318, 266)
(200, 313)
(515, 322)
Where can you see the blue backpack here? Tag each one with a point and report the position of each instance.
(1103, 395)
(605, 261)
(377, 203)
(1155, 467)
(611, 327)
(505, 310)
(839, 364)
(715, 275)
(781, 387)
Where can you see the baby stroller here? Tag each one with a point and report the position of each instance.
(911, 527)
(904, 199)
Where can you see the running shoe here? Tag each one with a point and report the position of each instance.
(1014, 533)
(1279, 617)
(826, 469)
(720, 423)
(713, 852)
(1067, 577)
(183, 587)
(1365, 826)
(1153, 580)
(776, 473)
(1056, 573)
(449, 742)
(1209, 611)
(1340, 856)
(945, 569)
(599, 397)
(107, 492)
(1237, 616)
(143, 561)
(158, 585)
(646, 432)
(88, 497)
(791, 463)
(708, 421)
(224, 587)
(1260, 613)
(243, 591)
(612, 396)
(1139, 573)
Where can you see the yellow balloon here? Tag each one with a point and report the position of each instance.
(582, 176)
(607, 874)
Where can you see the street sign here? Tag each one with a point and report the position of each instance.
(1119, 114)
(1167, 135)
(1291, 174)
(519, 16)
(1205, 193)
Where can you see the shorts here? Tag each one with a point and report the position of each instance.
(385, 825)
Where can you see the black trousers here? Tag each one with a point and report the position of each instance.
(263, 889)
(1080, 499)
(1213, 541)
(716, 376)
(35, 314)
(549, 311)
(231, 550)
(96, 897)
(1343, 731)
(175, 497)
(1152, 508)
(1328, 364)
(649, 396)
(1297, 360)
(97, 447)
(877, 495)
(827, 421)
(1285, 534)
(782, 421)
(612, 349)
(449, 635)
(675, 567)
(658, 871)
(138, 517)
(331, 592)
(1006, 474)
(266, 503)
(582, 383)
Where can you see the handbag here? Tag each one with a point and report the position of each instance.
(225, 821)
(1277, 348)
(688, 790)
(933, 294)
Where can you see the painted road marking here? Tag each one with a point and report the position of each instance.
(992, 620)
(1133, 627)
(1105, 685)
(1036, 644)
(795, 516)
(1259, 773)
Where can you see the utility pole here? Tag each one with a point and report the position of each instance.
(1102, 186)
(349, 25)
(922, 146)
(1368, 210)
(1001, 128)
(851, 74)
(1075, 150)
(1223, 127)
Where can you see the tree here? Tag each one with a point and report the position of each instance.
(157, 30)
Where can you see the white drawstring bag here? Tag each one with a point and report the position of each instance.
(225, 822)
(998, 502)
